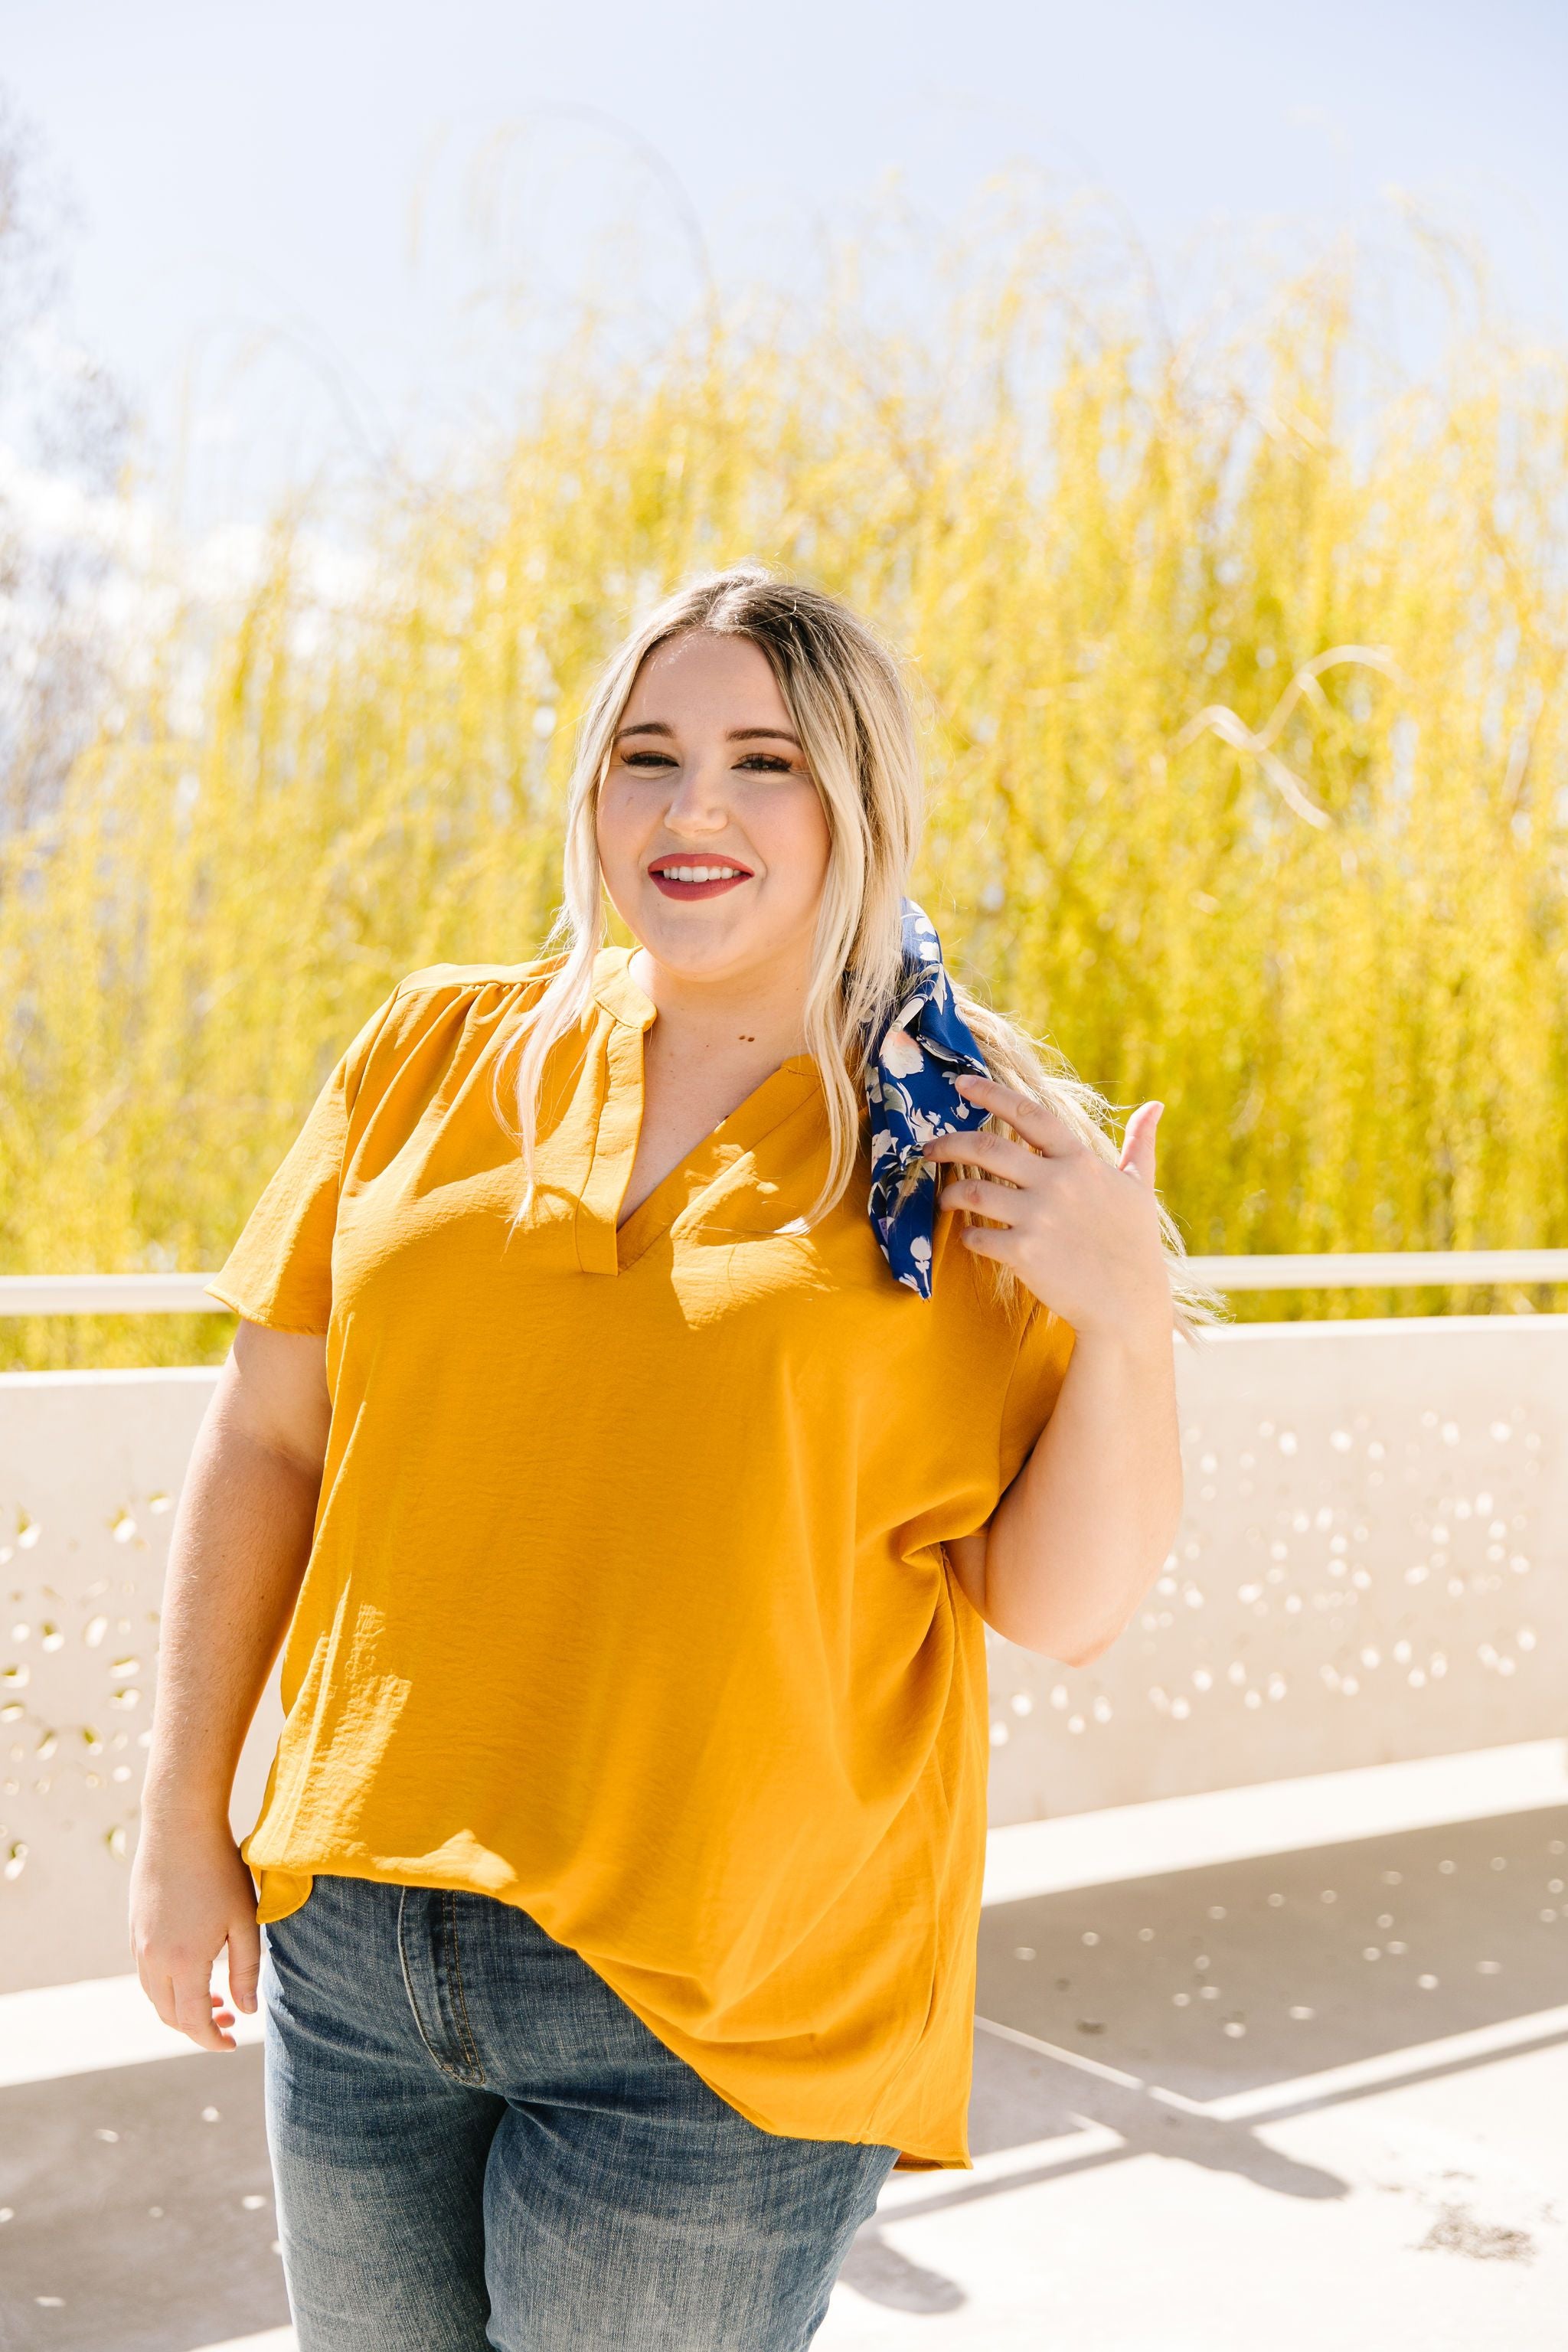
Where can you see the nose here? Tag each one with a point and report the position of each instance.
(699, 807)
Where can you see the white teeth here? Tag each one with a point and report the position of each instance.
(699, 873)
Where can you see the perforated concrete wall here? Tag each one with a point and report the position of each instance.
(1373, 1566)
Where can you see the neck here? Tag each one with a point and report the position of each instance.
(756, 1017)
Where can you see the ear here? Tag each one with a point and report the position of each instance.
(1138, 1142)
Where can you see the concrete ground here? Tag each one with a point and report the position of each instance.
(1291, 2098)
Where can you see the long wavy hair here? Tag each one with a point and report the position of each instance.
(848, 702)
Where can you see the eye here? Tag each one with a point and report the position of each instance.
(767, 763)
(646, 760)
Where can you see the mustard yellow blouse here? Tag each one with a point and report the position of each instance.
(626, 1601)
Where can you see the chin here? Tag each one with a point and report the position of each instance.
(702, 943)
(689, 958)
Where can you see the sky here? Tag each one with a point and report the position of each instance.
(311, 226)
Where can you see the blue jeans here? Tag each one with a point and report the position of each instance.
(479, 2144)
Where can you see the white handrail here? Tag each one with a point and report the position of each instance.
(107, 1294)
(1381, 1269)
(185, 1294)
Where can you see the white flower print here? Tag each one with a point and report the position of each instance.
(900, 1056)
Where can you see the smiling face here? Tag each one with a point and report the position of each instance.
(712, 837)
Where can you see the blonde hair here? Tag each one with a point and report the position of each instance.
(846, 697)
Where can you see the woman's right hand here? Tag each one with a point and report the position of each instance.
(190, 1895)
(237, 1549)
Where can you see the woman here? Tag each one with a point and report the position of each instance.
(635, 1445)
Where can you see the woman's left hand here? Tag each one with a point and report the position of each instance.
(1083, 1235)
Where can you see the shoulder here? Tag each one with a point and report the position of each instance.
(458, 979)
(448, 995)
(424, 1021)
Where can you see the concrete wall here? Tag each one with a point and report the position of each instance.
(90, 1466)
(1371, 1568)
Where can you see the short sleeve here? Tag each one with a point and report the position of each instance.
(280, 1271)
(1044, 1354)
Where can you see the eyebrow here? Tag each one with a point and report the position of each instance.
(734, 735)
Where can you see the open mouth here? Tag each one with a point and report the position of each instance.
(697, 878)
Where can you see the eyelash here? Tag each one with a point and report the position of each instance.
(766, 763)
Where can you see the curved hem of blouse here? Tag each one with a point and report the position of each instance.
(276, 1880)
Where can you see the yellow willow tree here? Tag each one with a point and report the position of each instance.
(1242, 685)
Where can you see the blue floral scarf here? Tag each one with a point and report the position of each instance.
(911, 1093)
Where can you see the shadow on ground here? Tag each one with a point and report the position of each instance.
(1223, 1979)
(141, 2208)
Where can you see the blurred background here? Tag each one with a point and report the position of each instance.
(1186, 391)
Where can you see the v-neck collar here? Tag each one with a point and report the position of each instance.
(602, 1248)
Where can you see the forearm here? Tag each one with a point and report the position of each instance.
(1083, 1529)
(239, 1545)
